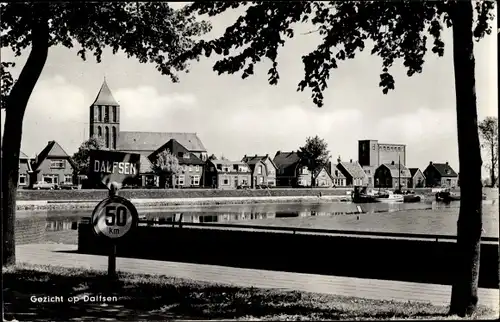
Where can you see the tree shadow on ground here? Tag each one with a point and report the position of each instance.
(143, 297)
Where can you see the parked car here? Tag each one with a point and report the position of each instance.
(67, 186)
(262, 186)
(43, 185)
(243, 187)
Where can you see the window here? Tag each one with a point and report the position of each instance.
(114, 137)
(225, 181)
(236, 168)
(190, 168)
(187, 155)
(57, 164)
(197, 168)
(51, 178)
(212, 169)
(68, 178)
(99, 110)
(244, 182)
(180, 180)
(114, 114)
(261, 180)
(106, 114)
(259, 170)
(99, 131)
(219, 167)
(180, 154)
(195, 180)
(184, 168)
(22, 179)
(106, 134)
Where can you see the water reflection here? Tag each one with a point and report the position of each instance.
(425, 217)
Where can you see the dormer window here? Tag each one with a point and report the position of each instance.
(57, 164)
(219, 167)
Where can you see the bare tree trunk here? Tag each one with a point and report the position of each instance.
(464, 297)
(11, 145)
(493, 165)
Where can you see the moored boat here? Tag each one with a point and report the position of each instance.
(447, 196)
(390, 198)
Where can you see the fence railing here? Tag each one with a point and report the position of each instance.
(306, 231)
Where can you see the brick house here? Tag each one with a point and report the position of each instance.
(53, 165)
(323, 178)
(263, 170)
(291, 171)
(225, 174)
(338, 179)
(191, 174)
(24, 170)
(392, 175)
(440, 175)
(353, 172)
(417, 179)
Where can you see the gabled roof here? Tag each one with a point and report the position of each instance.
(23, 156)
(354, 169)
(52, 150)
(444, 169)
(413, 171)
(252, 160)
(104, 97)
(175, 147)
(151, 141)
(395, 169)
(286, 162)
(339, 174)
(317, 173)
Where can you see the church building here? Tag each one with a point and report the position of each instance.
(105, 124)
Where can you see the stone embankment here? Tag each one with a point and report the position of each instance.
(88, 199)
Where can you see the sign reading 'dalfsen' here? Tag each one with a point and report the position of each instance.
(109, 166)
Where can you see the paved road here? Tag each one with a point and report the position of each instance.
(46, 254)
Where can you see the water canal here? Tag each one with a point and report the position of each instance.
(428, 217)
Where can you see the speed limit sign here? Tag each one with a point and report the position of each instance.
(114, 217)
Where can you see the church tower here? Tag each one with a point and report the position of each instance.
(105, 118)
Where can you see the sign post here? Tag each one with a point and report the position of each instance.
(115, 216)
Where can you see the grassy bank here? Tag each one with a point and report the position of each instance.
(147, 297)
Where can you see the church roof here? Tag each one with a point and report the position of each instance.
(151, 141)
(104, 97)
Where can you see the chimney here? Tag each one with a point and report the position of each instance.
(279, 152)
(350, 161)
(267, 155)
(339, 160)
(245, 156)
(430, 163)
(256, 155)
(446, 162)
(392, 163)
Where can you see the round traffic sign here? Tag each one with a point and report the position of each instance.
(114, 217)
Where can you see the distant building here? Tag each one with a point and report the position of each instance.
(263, 170)
(25, 170)
(105, 125)
(353, 172)
(440, 175)
(225, 174)
(323, 178)
(339, 180)
(371, 154)
(391, 175)
(192, 166)
(53, 165)
(417, 178)
(291, 170)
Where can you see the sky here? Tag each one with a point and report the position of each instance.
(234, 117)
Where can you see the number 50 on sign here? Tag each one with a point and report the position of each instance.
(114, 217)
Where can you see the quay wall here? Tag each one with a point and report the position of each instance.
(424, 261)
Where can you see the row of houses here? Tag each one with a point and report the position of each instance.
(286, 169)
(379, 165)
